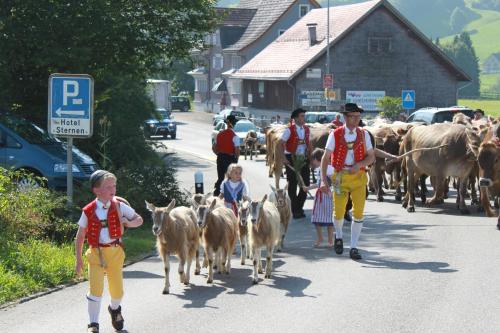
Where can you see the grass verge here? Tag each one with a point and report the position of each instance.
(490, 107)
(36, 265)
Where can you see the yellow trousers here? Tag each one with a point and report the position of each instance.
(113, 257)
(354, 184)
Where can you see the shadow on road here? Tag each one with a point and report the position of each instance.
(432, 266)
(200, 295)
(140, 275)
(179, 162)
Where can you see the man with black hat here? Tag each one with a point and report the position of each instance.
(227, 149)
(296, 145)
(349, 150)
(478, 114)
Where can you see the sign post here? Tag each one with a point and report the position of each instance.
(70, 113)
(408, 100)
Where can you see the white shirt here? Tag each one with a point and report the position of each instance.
(349, 160)
(301, 133)
(233, 185)
(236, 140)
(329, 173)
(102, 213)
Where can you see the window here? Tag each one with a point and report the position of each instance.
(200, 85)
(235, 87)
(303, 10)
(218, 61)
(281, 32)
(235, 62)
(261, 89)
(379, 45)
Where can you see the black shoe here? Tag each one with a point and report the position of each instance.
(354, 254)
(116, 318)
(338, 246)
(93, 328)
(347, 217)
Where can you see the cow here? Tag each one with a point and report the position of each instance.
(489, 169)
(456, 159)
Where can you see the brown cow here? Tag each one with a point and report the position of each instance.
(455, 160)
(489, 169)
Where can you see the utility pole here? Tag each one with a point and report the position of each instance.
(327, 98)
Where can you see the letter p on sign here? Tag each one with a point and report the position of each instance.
(73, 93)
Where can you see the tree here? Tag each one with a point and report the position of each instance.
(462, 52)
(120, 43)
(391, 107)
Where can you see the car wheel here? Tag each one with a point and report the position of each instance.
(28, 180)
(173, 136)
(185, 108)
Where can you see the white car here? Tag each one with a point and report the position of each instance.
(241, 129)
(226, 112)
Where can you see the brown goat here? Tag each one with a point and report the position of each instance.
(243, 211)
(176, 233)
(218, 233)
(280, 198)
(250, 143)
(263, 226)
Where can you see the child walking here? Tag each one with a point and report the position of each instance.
(323, 203)
(102, 222)
(234, 188)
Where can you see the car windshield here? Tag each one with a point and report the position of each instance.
(244, 127)
(28, 131)
(164, 114)
(238, 114)
(311, 118)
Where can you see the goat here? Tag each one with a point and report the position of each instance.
(243, 210)
(250, 143)
(282, 201)
(218, 233)
(176, 232)
(263, 226)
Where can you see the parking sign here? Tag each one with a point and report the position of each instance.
(71, 99)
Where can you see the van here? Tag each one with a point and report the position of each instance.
(25, 146)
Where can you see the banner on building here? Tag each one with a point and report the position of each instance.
(366, 99)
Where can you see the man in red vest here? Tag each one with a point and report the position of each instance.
(296, 142)
(349, 150)
(227, 148)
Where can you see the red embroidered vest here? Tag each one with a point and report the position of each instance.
(293, 141)
(224, 142)
(94, 225)
(340, 152)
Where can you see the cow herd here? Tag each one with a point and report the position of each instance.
(208, 223)
(464, 152)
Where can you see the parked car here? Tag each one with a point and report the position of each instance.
(180, 103)
(438, 115)
(161, 125)
(241, 129)
(25, 146)
(322, 117)
(226, 112)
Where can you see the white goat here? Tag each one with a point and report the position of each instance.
(280, 198)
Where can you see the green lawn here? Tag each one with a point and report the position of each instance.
(139, 242)
(491, 107)
(488, 81)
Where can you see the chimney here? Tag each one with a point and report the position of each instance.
(312, 33)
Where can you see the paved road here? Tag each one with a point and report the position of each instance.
(432, 271)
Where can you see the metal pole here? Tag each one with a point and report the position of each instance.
(69, 167)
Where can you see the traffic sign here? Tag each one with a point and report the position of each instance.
(71, 100)
(408, 98)
(328, 81)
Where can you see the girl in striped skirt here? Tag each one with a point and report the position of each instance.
(323, 203)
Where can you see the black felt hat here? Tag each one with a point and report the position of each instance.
(231, 119)
(296, 112)
(351, 107)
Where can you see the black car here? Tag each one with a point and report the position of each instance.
(180, 103)
(161, 125)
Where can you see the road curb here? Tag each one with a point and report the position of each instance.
(66, 285)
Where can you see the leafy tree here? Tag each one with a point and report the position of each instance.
(462, 52)
(391, 107)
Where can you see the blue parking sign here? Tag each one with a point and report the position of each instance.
(71, 101)
(408, 99)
